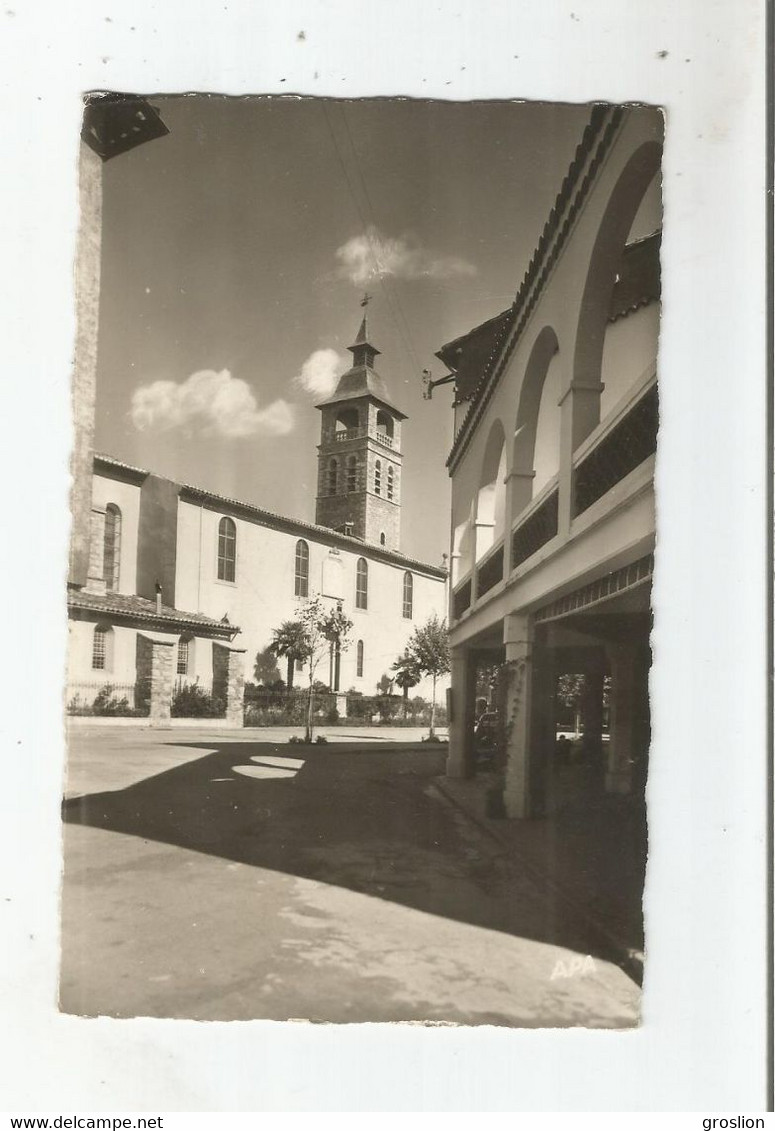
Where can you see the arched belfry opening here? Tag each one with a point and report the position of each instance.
(361, 431)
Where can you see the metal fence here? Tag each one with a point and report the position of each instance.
(108, 699)
(268, 707)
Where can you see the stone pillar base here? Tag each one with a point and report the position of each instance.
(154, 671)
(229, 681)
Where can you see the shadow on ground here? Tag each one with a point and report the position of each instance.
(366, 820)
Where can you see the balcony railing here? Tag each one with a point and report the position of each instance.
(535, 530)
(343, 434)
(490, 572)
(461, 599)
(631, 441)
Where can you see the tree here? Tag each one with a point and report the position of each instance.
(317, 629)
(407, 676)
(265, 669)
(384, 684)
(428, 650)
(290, 641)
(570, 692)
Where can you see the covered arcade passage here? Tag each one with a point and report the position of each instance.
(597, 633)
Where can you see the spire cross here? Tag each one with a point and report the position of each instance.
(366, 299)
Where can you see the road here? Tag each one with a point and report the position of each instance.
(219, 877)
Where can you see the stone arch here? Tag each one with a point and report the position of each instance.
(620, 211)
(463, 546)
(545, 347)
(490, 518)
(347, 420)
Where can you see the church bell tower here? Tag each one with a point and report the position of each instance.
(359, 455)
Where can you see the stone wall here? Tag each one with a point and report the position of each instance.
(87, 291)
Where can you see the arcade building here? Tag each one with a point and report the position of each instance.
(552, 468)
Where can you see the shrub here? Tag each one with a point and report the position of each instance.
(106, 703)
(388, 707)
(321, 740)
(190, 701)
(296, 740)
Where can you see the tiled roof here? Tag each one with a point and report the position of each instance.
(637, 284)
(101, 458)
(638, 281)
(140, 608)
(361, 381)
(467, 354)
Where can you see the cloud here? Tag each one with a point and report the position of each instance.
(319, 373)
(373, 256)
(209, 403)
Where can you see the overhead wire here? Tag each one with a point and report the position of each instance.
(396, 313)
(389, 290)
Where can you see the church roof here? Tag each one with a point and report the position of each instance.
(274, 521)
(362, 379)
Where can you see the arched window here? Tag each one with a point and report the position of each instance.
(378, 477)
(102, 648)
(332, 470)
(352, 473)
(111, 553)
(227, 549)
(362, 584)
(408, 595)
(301, 581)
(382, 538)
(359, 659)
(390, 481)
(184, 655)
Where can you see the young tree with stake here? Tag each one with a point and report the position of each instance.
(428, 651)
(317, 629)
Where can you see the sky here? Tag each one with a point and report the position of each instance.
(236, 252)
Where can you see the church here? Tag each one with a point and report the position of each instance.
(185, 586)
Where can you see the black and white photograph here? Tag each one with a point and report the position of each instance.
(359, 596)
(387, 707)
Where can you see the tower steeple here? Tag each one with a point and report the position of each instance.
(362, 350)
(359, 455)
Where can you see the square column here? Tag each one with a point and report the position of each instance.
(460, 759)
(154, 674)
(579, 415)
(519, 493)
(229, 681)
(517, 698)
